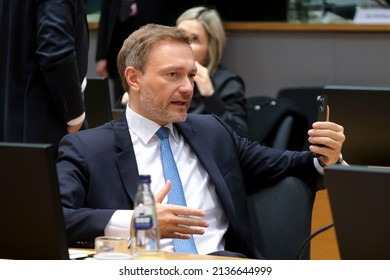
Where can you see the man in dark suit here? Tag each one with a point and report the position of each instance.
(98, 169)
(44, 58)
(116, 24)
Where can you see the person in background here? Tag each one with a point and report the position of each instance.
(118, 19)
(98, 169)
(92, 6)
(217, 90)
(44, 59)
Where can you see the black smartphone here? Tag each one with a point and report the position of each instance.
(322, 110)
(322, 107)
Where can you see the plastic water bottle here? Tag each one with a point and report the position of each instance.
(145, 235)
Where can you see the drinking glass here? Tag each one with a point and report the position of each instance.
(112, 248)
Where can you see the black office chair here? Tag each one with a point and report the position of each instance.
(276, 123)
(97, 101)
(305, 99)
(280, 218)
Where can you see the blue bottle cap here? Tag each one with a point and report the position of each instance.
(144, 179)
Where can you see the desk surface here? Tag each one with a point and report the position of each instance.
(166, 255)
(180, 256)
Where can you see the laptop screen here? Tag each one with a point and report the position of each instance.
(359, 198)
(364, 112)
(31, 216)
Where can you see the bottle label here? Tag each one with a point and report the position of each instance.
(143, 222)
(143, 217)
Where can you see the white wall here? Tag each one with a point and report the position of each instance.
(269, 61)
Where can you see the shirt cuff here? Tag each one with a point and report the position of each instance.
(317, 165)
(84, 84)
(119, 224)
(320, 168)
(77, 120)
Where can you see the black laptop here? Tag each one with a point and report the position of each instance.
(359, 197)
(365, 114)
(31, 217)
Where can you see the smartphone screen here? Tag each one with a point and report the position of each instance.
(322, 108)
(322, 105)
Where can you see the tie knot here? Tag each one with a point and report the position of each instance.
(163, 132)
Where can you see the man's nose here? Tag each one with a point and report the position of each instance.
(187, 86)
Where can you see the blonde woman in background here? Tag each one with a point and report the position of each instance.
(217, 90)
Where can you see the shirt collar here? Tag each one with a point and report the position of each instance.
(144, 128)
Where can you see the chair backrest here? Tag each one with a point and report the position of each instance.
(97, 101)
(280, 217)
(276, 123)
(305, 99)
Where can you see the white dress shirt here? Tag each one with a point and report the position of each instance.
(198, 190)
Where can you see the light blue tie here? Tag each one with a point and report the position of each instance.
(176, 193)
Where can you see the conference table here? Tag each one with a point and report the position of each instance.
(81, 253)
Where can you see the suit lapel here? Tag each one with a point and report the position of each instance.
(225, 192)
(125, 157)
(127, 164)
(196, 141)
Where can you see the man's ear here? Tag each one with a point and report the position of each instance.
(131, 75)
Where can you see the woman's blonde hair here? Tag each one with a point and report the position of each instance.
(212, 23)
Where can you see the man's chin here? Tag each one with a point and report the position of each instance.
(179, 117)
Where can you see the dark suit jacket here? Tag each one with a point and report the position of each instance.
(98, 174)
(44, 58)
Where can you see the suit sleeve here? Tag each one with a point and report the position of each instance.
(104, 26)
(56, 52)
(83, 219)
